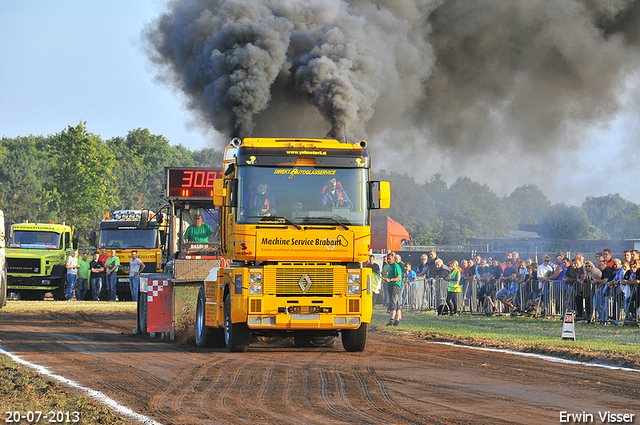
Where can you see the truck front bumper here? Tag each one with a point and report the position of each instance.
(34, 283)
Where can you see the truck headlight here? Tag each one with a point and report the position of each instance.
(353, 289)
(353, 278)
(255, 283)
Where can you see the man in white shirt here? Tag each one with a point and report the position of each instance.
(135, 268)
(72, 273)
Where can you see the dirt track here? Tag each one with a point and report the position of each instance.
(396, 380)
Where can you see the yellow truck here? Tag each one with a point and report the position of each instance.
(295, 226)
(36, 260)
(3, 264)
(121, 230)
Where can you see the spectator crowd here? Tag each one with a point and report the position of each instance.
(602, 290)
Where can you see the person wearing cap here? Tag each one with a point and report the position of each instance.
(198, 232)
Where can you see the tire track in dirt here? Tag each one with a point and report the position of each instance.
(289, 396)
(271, 384)
(325, 397)
(160, 400)
(382, 389)
(350, 398)
(363, 386)
(227, 390)
(177, 400)
(208, 397)
(313, 395)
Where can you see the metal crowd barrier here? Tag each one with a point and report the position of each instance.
(591, 302)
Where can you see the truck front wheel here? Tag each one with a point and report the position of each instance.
(355, 339)
(60, 294)
(3, 289)
(236, 335)
(204, 334)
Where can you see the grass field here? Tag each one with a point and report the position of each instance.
(64, 306)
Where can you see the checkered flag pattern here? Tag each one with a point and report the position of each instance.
(154, 287)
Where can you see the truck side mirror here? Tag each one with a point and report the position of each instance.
(379, 195)
(219, 192)
(75, 241)
(93, 240)
(144, 218)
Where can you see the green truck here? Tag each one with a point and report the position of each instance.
(36, 260)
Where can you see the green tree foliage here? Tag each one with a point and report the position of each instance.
(615, 216)
(564, 221)
(208, 157)
(412, 208)
(76, 177)
(140, 161)
(526, 205)
(80, 186)
(473, 210)
(22, 172)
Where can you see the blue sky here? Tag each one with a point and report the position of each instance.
(71, 61)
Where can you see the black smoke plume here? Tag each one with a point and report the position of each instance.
(457, 73)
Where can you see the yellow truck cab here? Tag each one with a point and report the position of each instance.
(122, 231)
(295, 226)
(36, 259)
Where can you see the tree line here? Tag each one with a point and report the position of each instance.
(435, 213)
(75, 177)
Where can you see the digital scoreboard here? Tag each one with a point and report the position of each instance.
(190, 183)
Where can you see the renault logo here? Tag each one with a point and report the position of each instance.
(304, 278)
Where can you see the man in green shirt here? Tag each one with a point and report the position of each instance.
(198, 232)
(394, 284)
(82, 284)
(112, 265)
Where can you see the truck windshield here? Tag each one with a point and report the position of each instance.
(129, 238)
(303, 195)
(26, 239)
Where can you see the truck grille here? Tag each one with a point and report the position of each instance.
(23, 265)
(293, 280)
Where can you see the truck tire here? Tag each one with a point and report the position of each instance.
(124, 295)
(3, 289)
(60, 294)
(355, 339)
(236, 335)
(204, 334)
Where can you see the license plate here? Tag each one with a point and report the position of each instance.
(308, 309)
